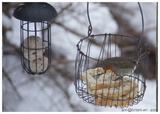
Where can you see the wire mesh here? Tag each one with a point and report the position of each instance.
(114, 74)
(35, 38)
(107, 76)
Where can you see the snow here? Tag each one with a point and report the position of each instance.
(6, 21)
(37, 93)
(42, 93)
(13, 35)
(102, 20)
(149, 14)
(63, 43)
(67, 41)
(11, 64)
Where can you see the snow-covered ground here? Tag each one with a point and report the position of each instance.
(41, 93)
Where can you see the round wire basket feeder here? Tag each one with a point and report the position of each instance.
(107, 76)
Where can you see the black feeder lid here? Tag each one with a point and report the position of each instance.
(35, 12)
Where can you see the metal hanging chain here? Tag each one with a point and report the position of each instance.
(90, 25)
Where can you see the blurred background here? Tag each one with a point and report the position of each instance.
(54, 90)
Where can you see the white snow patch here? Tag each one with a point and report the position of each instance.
(6, 21)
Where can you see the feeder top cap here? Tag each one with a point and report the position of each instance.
(35, 12)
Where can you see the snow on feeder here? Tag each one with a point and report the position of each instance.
(35, 35)
(111, 79)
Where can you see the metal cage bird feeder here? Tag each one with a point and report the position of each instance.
(108, 76)
(35, 35)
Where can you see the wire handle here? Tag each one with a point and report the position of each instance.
(90, 26)
(139, 49)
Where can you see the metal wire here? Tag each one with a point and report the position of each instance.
(96, 76)
(90, 25)
(87, 65)
(142, 32)
(35, 46)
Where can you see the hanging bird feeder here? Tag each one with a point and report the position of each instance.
(111, 78)
(35, 35)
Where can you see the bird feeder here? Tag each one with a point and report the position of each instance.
(108, 76)
(35, 35)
